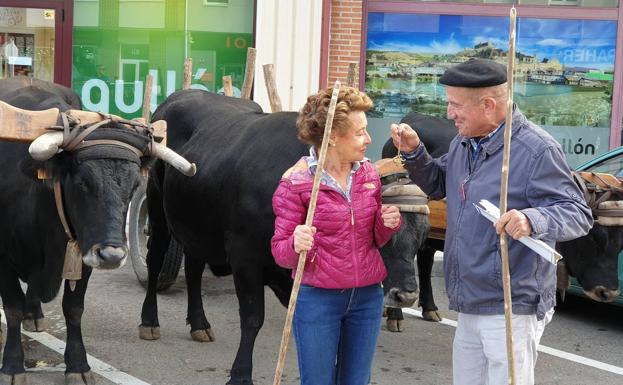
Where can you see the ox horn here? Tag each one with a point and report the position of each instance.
(174, 159)
(46, 146)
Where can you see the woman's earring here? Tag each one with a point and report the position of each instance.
(332, 144)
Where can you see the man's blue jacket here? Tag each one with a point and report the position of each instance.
(540, 186)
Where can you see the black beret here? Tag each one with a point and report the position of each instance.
(475, 73)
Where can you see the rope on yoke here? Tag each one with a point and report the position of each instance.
(74, 133)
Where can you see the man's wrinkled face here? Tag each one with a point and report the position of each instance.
(467, 110)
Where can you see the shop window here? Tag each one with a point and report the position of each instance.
(564, 70)
(117, 43)
(554, 3)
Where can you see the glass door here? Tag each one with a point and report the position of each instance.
(27, 40)
(34, 39)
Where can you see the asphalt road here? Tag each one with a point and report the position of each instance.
(421, 354)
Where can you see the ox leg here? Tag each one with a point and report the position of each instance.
(159, 242)
(77, 370)
(394, 319)
(12, 371)
(250, 293)
(33, 314)
(200, 328)
(425, 260)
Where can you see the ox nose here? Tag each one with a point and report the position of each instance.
(399, 298)
(111, 257)
(604, 294)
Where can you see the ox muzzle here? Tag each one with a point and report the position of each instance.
(106, 257)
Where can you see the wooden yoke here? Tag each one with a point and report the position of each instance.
(18, 125)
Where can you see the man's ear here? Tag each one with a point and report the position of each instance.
(490, 104)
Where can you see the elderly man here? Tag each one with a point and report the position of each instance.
(543, 202)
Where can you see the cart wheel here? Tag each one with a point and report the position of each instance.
(138, 239)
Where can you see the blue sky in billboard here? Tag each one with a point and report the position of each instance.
(585, 43)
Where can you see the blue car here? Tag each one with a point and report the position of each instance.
(610, 163)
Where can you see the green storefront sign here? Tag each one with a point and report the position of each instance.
(117, 43)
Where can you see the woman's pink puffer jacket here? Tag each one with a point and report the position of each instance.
(345, 251)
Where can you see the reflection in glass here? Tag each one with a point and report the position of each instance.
(118, 42)
(563, 70)
(27, 43)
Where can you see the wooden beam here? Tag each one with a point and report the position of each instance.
(271, 88)
(249, 74)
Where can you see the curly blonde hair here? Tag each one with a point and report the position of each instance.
(313, 116)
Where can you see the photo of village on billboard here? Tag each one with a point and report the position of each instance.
(562, 80)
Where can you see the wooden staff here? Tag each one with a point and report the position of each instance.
(352, 72)
(147, 98)
(188, 69)
(308, 222)
(228, 89)
(506, 278)
(249, 73)
(271, 87)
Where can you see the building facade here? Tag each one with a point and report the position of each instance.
(567, 70)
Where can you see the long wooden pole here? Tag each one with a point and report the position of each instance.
(188, 69)
(147, 97)
(271, 87)
(352, 73)
(228, 89)
(506, 278)
(285, 337)
(249, 73)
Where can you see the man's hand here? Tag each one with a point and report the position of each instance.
(404, 137)
(303, 238)
(514, 223)
(390, 216)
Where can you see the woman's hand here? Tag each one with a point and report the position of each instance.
(390, 216)
(303, 238)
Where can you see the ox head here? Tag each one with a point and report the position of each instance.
(593, 261)
(593, 258)
(96, 161)
(400, 286)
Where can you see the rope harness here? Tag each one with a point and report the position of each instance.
(74, 133)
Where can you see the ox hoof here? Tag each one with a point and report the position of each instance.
(149, 333)
(394, 325)
(33, 325)
(203, 335)
(86, 378)
(14, 379)
(239, 382)
(431, 315)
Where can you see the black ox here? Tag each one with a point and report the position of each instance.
(592, 259)
(223, 216)
(96, 180)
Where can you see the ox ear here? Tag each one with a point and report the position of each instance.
(20, 125)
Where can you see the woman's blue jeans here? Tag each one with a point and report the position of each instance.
(336, 332)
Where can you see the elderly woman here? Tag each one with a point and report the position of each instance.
(339, 308)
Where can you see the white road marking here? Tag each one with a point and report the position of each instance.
(544, 349)
(97, 366)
